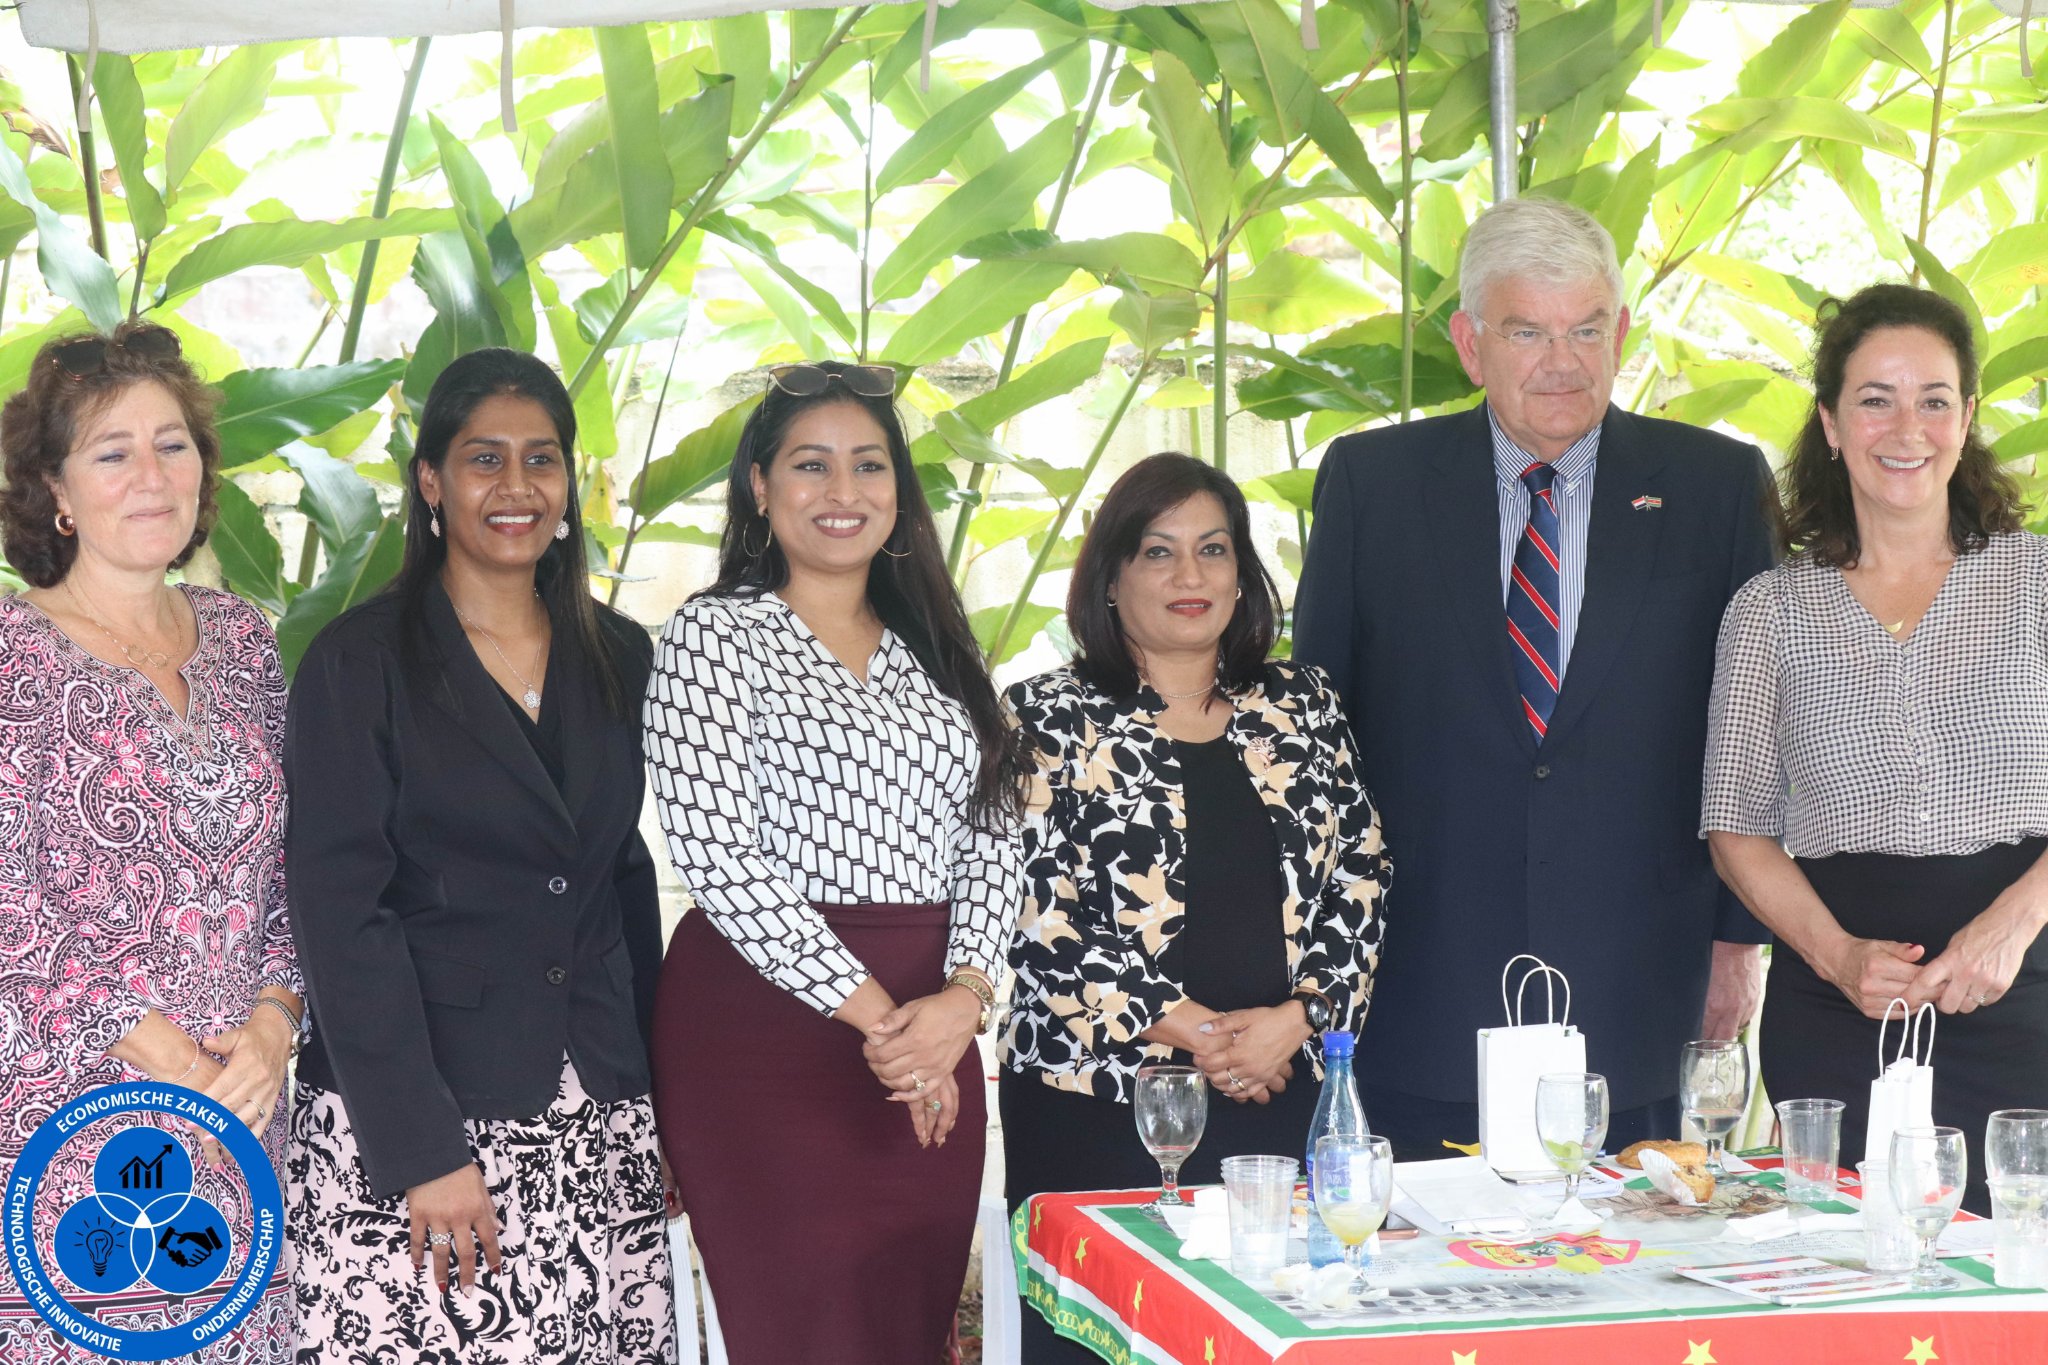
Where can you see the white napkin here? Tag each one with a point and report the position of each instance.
(1663, 1173)
(1327, 1286)
(1203, 1226)
(1461, 1193)
(1768, 1227)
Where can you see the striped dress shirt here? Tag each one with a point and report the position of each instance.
(1573, 494)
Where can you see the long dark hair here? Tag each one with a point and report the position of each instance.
(1820, 514)
(913, 595)
(563, 574)
(1147, 491)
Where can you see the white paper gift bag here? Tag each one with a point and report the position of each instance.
(1902, 1096)
(1512, 1056)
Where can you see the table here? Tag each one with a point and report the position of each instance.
(1108, 1274)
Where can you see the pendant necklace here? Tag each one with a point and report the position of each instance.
(1896, 626)
(190, 729)
(530, 698)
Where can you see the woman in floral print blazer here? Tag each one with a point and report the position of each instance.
(1203, 870)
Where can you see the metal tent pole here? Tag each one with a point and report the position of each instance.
(1503, 17)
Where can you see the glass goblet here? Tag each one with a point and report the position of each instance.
(1571, 1123)
(1354, 1183)
(1172, 1109)
(1713, 1088)
(1928, 1166)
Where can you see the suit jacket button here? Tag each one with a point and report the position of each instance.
(1542, 771)
(556, 976)
(558, 885)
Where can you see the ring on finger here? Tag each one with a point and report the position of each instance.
(1236, 1081)
(1983, 997)
(935, 1105)
(440, 1239)
(917, 1082)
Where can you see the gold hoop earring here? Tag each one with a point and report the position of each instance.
(753, 553)
(65, 525)
(894, 554)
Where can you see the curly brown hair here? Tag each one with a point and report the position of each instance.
(1820, 513)
(40, 425)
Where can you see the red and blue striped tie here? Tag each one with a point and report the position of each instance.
(1533, 599)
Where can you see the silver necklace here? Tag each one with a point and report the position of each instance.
(530, 698)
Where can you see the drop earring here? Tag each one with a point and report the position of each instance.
(65, 525)
(1834, 452)
(562, 529)
(434, 520)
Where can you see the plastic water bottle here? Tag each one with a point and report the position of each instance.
(1338, 1113)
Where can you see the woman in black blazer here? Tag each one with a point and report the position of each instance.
(476, 916)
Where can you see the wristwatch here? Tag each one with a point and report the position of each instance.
(1316, 1006)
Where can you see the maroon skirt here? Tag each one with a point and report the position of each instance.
(827, 1233)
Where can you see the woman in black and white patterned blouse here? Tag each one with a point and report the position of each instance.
(840, 790)
(1880, 704)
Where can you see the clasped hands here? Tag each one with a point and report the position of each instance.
(1974, 970)
(912, 1049)
(1247, 1055)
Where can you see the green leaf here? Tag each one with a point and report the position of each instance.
(356, 575)
(2015, 365)
(249, 556)
(1152, 321)
(1292, 294)
(694, 464)
(337, 503)
(1889, 37)
(995, 526)
(977, 301)
(1791, 58)
(1793, 297)
(954, 21)
(781, 300)
(1293, 489)
(595, 431)
(262, 409)
(1621, 212)
(1760, 121)
(465, 310)
(1331, 131)
(1259, 50)
(1181, 391)
(1055, 376)
(969, 441)
(993, 201)
(2010, 263)
(495, 260)
(1061, 481)
(2001, 118)
(1150, 258)
(1844, 164)
(1993, 154)
(1031, 619)
(290, 243)
(1114, 148)
(71, 268)
(231, 94)
(1186, 142)
(2030, 439)
(645, 186)
(120, 100)
(1949, 287)
(740, 47)
(933, 144)
(758, 242)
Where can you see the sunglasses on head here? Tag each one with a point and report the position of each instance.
(808, 381)
(86, 357)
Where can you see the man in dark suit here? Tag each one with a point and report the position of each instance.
(1519, 605)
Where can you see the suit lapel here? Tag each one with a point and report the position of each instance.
(479, 708)
(1464, 507)
(1621, 547)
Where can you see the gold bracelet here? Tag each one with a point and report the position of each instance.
(976, 985)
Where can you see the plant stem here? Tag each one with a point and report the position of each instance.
(1948, 26)
(1066, 508)
(1219, 378)
(326, 318)
(977, 473)
(88, 163)
(708, 196)
(1407, 230)
(1294, 462)
(381, 206)
(635, 522)
(6, 279)
(141, 268)
(867, 202)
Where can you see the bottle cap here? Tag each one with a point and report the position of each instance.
(1337, 1042)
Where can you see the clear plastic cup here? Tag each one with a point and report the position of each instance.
(1888, 1242)
(1261, 1201)
(1811, 1139)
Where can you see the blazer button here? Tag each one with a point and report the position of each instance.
(556, 976)
(1542, 771)
(558, 885)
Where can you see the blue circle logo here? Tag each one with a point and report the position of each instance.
(143, 1223)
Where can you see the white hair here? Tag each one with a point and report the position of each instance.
(1544, 241)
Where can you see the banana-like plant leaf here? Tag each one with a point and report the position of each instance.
(596, 433)
(763, 247)
(1259, 50)
(646, 188)
(1890, 37)
(1944, 283)
(2002, 118)
(1186, 142)
(120, 100)
(742, 49)
(954, 21)
(1754, 122)
(356, 575)
(1294, 489)
(262, 409)
(231, 94)
(694, 464)
(1788, 294)
(1331, 131)
(289, 243)
(978, 301)
(249, 556)
(1151, 258)
(465, 311)
(1151, 321)
(1292, 294)
(988, 623)
(781, 300)
(2012, 262)
(935, 141)
(337, 501)
(2014, 365)
(71, 268)
(1053, 377)
(993, 201)
(495, 260)
(1790, 59)
(1993, 154)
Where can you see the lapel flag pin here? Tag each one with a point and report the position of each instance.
(1647, 503)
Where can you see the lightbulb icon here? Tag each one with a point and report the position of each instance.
(99, 1245)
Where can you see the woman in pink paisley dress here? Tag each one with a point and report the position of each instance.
(142, 808)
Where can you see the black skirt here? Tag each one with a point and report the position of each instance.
(1816, 1044)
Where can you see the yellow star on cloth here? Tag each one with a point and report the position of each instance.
(1081, 1252)
(1464, 1358)
(1701, 1352)
(1208, 1348)
(1922, 1352)
(1138, 1298)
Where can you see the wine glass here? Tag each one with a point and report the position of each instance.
(1927, 1170)
(1354, 1182)
(1713, 1087)
(1571, 1122)
(1173, 1108)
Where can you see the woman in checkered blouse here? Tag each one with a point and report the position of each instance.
(1880, 705)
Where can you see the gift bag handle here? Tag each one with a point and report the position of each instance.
(1550, 975)
(1913, 1048)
